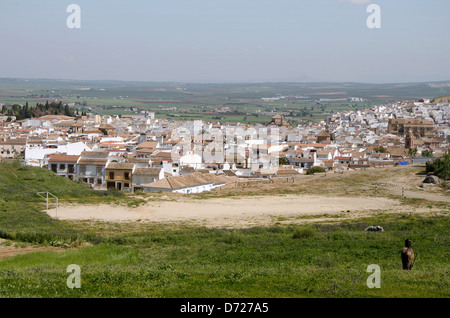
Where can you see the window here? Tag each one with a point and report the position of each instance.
(62, 166)
(127, 175)
(126, 185)
(111, 175)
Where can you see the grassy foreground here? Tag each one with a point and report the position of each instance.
(148, 260)
(312, 261)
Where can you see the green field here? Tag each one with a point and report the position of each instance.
(190, 101)
(330, 261)
(169, 260)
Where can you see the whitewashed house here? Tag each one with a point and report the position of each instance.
(37, 151)
(191, 160)
(63, 165)
(171, 169)
(91, 168)
(142, 176)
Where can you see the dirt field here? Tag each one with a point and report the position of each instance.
(321, 197)
(238, 212)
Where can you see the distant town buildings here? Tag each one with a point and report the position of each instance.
(418, 127)
(279, 121)
(145, 153)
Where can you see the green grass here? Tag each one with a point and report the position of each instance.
(21, 209)
(163, 260)
(255, 262)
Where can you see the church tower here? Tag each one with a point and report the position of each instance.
(324, 135)
(409, 139)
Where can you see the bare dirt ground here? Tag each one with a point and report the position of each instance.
(321, 197)
(13, 249)
(240, 211)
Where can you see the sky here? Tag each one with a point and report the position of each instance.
(226, 40)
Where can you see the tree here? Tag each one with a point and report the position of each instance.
(380, 149)
(313, 170)
(428, 153)
(412, 152)
(440, 167)
(283, 161)
(18, 160)
(67, 111)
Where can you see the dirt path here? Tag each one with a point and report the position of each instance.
(12, 250)
(426, 195)
(237, 212)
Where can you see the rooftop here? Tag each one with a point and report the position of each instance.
(187, 180)
(153, 172)
(120, 166)
(63, 158)
(92, 161)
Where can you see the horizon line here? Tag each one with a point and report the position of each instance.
(220, 82)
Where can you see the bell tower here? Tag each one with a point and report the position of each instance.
(409, 139)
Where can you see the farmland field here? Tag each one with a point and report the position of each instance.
(232, 102)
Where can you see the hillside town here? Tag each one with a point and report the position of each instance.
(143, 153)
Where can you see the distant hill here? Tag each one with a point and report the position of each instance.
(442, 98)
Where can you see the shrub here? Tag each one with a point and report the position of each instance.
(313, 170)
(303, 233)
(440, 167)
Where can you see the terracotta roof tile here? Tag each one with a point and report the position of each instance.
(92, 161)
(187, 180)
(154, 172)
(120, 165)
(63, 158)
(148, 144)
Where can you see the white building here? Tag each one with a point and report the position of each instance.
(91, 168)
(37, 152)
(191, 160)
